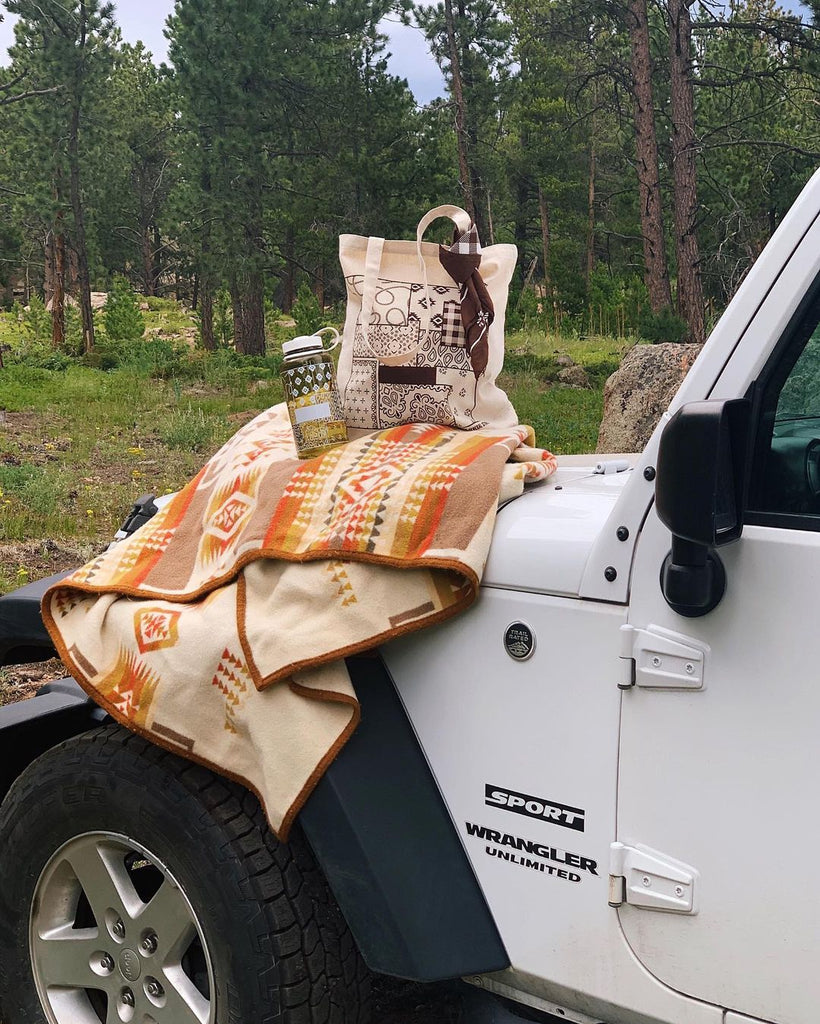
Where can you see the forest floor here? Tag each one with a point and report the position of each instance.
(79, 444)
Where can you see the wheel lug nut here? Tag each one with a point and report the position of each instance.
(153, 988)
(127, 997)
(107, 962)
(149, 944)
(118, 929)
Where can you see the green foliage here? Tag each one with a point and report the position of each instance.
(223, 318)
(663, 326)
(37, 320)
(188, 428)
(123, 319)
(306, 311)
(232, 174)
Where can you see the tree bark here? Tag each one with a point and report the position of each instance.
(157, 260)
(289, 282)
(591, 212)
(319, 288)
(147, 260)
(206, 316)
(656, 272)
(79, 238)
(248, 301)
(684, 170)
(464, 170)
(544, 213)
(58, 294)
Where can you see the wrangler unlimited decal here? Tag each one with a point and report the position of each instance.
(535, 807)
(495, 840)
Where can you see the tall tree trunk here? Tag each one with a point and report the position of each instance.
(319, 289)
(157, 260)
(79, 239)
(656, 272)
(147, 261)
(591, 211)
(248, 301)
(522, 201)
(289, 282)
(206, 315)
(464, 170)
(684, 170)
(58, 294)
(544, 213)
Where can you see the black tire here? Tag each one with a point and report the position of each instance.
(278, 947)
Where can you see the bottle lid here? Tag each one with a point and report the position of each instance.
(304, 343)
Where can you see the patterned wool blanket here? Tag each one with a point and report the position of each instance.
(218, 629)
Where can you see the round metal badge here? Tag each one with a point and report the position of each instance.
(519, 641)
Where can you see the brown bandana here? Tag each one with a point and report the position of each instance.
(461, 261)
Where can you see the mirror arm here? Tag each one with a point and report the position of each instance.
(693, 579)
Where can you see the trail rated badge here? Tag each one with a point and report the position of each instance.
(519, 641)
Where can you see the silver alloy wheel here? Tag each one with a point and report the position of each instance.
(113, 938)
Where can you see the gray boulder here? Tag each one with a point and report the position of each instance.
(574, 377)
(639, 392)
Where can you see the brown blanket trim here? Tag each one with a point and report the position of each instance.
(337, 653)
(218, 769)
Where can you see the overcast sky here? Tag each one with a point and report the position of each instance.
(144, 20)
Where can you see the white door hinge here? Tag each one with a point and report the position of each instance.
(661, 659)
(642, 877)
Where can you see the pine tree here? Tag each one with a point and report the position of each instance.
(65, 46)
(123, 318)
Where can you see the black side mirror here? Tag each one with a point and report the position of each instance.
(699, 495)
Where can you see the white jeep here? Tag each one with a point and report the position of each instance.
(590, 796)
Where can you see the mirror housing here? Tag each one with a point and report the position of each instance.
(700, 495)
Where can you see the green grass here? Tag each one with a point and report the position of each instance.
(168, 318)
(81, 443)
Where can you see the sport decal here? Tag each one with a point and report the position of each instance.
(535, 807)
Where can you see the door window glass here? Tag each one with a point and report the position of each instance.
(786, 477)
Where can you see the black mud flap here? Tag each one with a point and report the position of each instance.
(23, 636)
(30, 727)
(382, 833)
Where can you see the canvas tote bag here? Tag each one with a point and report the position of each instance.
(406, 357)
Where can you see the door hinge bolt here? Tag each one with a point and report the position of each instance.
(617, 890)
(679, 890)
(690, 668)
(656, 662)
(646, 881)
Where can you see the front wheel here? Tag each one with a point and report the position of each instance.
(137, 887)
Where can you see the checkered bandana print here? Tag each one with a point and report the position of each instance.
(468, 243)
(452, 325)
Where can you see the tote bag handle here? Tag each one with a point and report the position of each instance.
(372, 265)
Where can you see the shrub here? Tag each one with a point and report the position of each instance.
(123, 319)
(189, 429)
(223, 318)
(306, 311)
(663, 326)
(38, 320)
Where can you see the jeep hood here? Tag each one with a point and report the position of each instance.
(542, 540)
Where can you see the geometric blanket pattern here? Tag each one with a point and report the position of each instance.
(218, 630)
